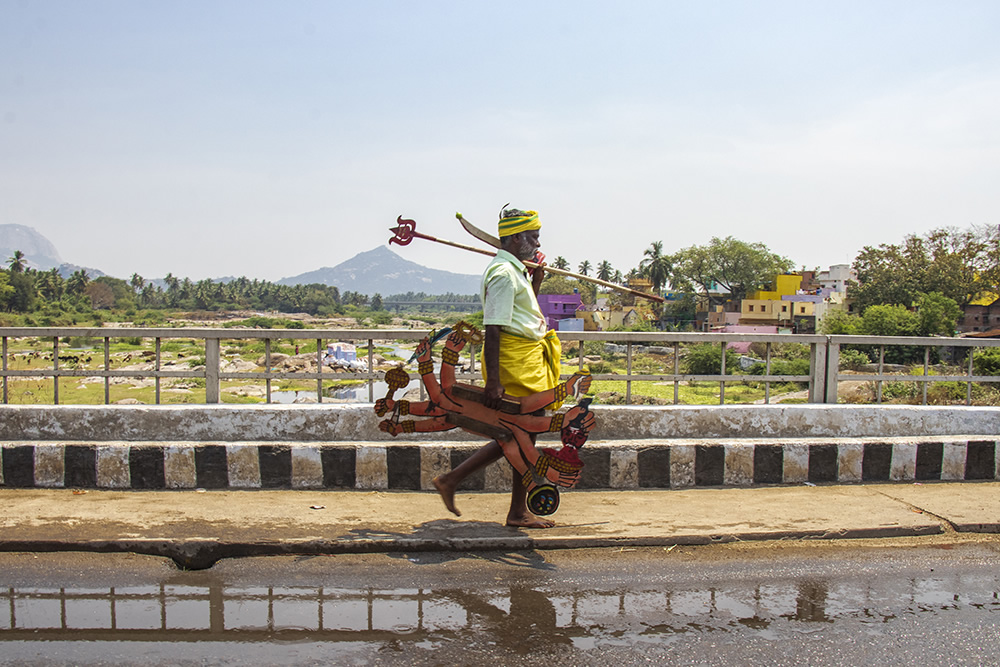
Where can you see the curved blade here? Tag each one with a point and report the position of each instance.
(477, 232)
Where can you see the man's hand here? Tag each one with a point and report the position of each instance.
(494, 393)
(538, 274)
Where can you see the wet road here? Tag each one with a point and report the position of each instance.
(828, 604)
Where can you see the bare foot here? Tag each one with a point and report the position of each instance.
(528, 521)
(447, 494)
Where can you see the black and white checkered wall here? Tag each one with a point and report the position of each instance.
(631, 464)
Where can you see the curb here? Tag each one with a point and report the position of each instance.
(199, 554)
(619, 464)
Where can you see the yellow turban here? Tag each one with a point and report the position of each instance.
(518, 224)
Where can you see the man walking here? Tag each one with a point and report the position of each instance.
(521, 356)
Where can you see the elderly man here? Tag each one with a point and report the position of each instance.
(521, 356)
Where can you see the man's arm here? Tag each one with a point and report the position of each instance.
(538, 273)
(491, 353)
(537, 276)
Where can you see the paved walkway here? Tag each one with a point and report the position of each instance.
(198, 528)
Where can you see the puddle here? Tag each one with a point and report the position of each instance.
(199, 616)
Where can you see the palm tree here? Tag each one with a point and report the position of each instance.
(137, 282)
(561, 263)
(605, 270)
(51, 285)
(77, 282)
(584, 268)
(18, 263)
(656, 266)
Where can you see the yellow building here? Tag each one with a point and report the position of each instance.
(785, 284)
(774, 310)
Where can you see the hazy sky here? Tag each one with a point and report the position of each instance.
(272, 138)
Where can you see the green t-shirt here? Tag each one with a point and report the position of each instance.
(509, 300)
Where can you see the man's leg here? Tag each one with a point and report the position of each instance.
(448, 482)
(519, 516)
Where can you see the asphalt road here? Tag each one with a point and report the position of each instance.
(920, 600)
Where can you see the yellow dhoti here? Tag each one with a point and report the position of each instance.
(529, 366)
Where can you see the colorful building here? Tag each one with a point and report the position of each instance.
(556, 307)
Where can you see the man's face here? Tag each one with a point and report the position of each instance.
(524, 245)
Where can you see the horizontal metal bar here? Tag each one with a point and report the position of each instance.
(920, 378)
(893, 341)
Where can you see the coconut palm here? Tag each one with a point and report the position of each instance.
(77, 282)
(605, 271)
(656, 266)
(584, 268)
(137, 282)
(560, 263)
(17, 263)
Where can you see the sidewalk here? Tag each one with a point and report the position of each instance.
(198, 528)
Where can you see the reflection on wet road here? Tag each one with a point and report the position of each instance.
(431, 608)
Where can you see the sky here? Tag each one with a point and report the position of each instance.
(266, 139)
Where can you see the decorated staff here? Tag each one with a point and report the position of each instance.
(406, 230)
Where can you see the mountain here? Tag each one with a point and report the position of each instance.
(384, 272)
(37, 249)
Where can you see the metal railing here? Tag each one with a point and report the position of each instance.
(966, 346)
(822, 380)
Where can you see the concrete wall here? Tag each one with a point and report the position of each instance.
(315, 447)
(352, 423)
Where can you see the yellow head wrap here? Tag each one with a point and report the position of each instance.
(526, 221)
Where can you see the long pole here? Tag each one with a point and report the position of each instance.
(406, 231)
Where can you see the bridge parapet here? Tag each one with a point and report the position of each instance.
(315, 447)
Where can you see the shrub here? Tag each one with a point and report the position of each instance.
(986, 361)
(780, 367)
(853, 359)
(706, 359)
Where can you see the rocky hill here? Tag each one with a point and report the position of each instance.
(384, 272)
(37, 249)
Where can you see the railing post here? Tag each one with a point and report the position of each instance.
(371, 370)
(628, 373)
(832, 371)
(107, 367)
(767, 371)
(213, 385)
(55, 370)
(818, 356)
(722, 381)
(267, 369)
(319, 370)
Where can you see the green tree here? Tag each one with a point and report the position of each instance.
(888, 320)
(18, 263)
(656, 266)
(937, 314)
(839, 323)
(584, 269)
(77, 282)
(561, 263)
(6, 291)
(377, 302)
(959, 264)
(137, 282)
(23, 299)
(729, 264)
(556, 284)
(605, 271)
